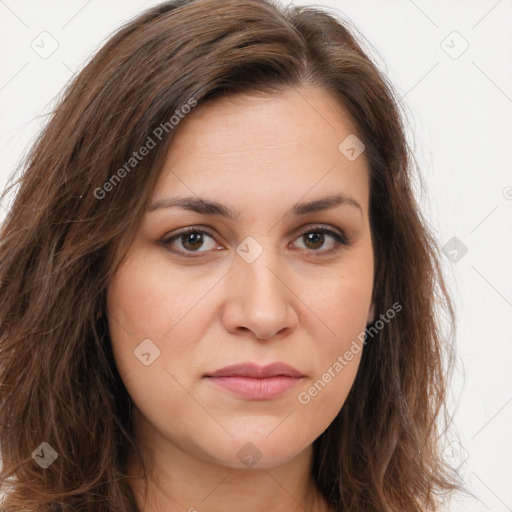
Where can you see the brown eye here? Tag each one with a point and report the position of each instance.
(315, 239)
(191, 240)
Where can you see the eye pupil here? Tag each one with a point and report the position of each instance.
(196, 237)
(315, 238)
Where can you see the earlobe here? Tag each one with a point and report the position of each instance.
(371, 315)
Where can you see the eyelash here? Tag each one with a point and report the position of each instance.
(340, 239)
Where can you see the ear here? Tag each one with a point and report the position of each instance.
(371, 314)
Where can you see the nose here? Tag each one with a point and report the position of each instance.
(258, 299)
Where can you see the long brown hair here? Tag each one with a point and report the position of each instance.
(75, 212)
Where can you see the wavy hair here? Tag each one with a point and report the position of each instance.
(64, 236)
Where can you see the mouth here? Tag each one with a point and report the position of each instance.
(254, 382)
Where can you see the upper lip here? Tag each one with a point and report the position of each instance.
(257, 371)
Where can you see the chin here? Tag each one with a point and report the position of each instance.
(256, 452)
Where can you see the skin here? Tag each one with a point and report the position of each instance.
(258, 154)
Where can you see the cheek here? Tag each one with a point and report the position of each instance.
(342, 303)
(336, 358)
(138, 314)
(325, 394)
(150, 309)
(148, 299)
(342, 306)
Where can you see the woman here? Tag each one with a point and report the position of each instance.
(217, 289)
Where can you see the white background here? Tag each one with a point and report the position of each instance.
(459, 113)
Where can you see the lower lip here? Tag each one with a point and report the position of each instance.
(254, 388)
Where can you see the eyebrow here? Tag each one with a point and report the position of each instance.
(206, 207)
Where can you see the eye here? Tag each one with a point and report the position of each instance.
(316, 236)
(192, 239)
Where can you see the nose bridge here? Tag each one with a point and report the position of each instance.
(258, 268)
(257, 291)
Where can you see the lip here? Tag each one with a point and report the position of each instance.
(255, 382)
(256, 371)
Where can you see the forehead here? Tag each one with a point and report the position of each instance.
(264, 147)
(298, 117)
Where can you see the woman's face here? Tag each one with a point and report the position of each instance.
(267, 286)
